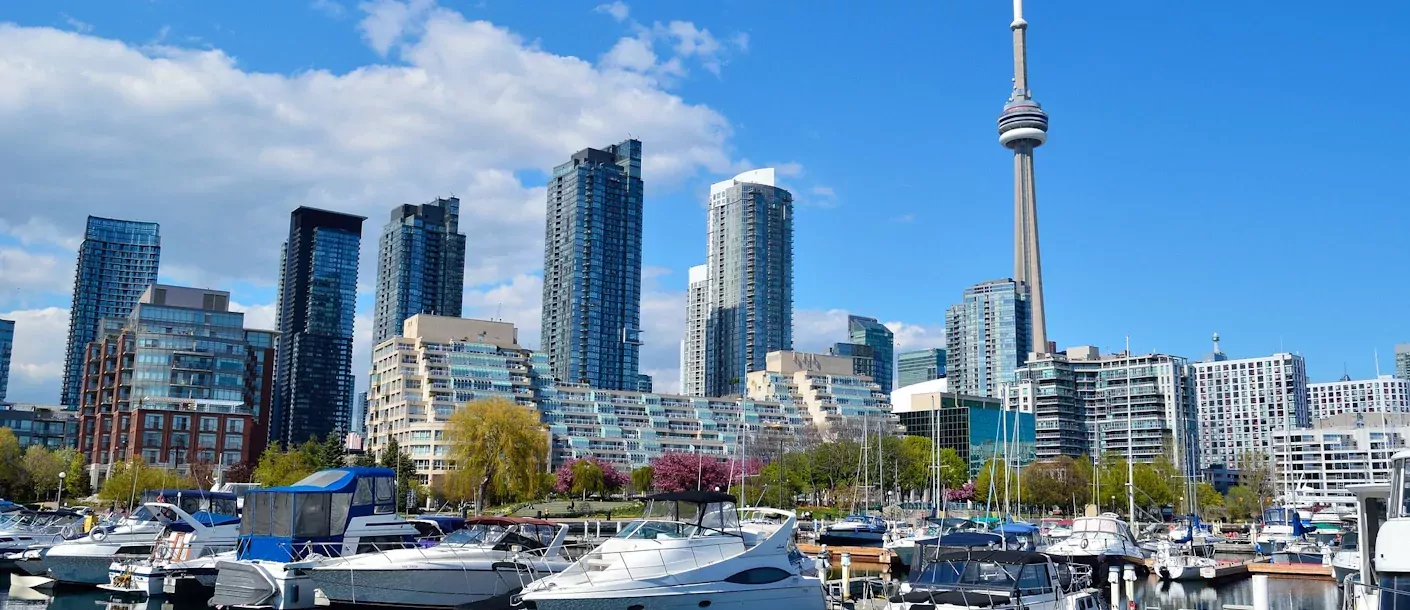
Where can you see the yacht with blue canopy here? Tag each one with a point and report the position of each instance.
(331, 513)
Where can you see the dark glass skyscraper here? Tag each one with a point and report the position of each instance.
(7, 345)
(870, 332)
(420, 265)
(592, 268)
(116, 263)
(750, 266)
(988, 337)
(317, 298)
(918, 366)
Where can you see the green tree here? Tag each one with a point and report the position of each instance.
(405, 468)
(42, 468)
(1058, 482)
(954, 472)
(278, 468)
(76, 481)
(781, 480)
(127, 480)
(1207, 498)
(588, 479)
(499, 449)
(914, 457)
(12, 475)
(332, 452)
(1243, 503)
(1256, 474)
(366, 459)
(994, 475)
(641, 479)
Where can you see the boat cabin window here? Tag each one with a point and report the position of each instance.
(385, 490)
(1401, 488)
(283, 515)
(363, 495)
(714, 517)
(1026, 578)
(255, 520)
(1101, 526)
(194, 502)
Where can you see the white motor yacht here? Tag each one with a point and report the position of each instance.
(689, 551)
(1100, 542)
(996, 580)
(86, 560)
(187, 539)
(287, 531)
(1281, 525)
(493, 557)
(23, 529)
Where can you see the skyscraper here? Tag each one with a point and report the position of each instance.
(988, 337)
(1402, 360)
(1023, 126)
(317, 299)
(921, 365)
(7, 346)
(1240, 402)
(870, 332)
(697, 314)
(592, 268)
(420, 265)
(750, 267)
(117, 261)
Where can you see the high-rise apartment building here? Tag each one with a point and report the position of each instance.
(1240, 402)
(1402, 360)
(863, 359)
(1314, 466)
(178, 380)
(697, 315)
(7, 347)
(116, 262)
(977, 428)
(357, 422)
(1385, 394)
(822, 384)
(874, 334)
(592, 267)
(317, 301)
(1140, 406)
(420, 265)
(52, 426)
(918, 366)
(988, 337)
(436, 365)
(750, 268)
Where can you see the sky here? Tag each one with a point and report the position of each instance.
(1211, 167)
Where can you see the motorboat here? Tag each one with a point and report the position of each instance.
(689, 551)
(286, 531)
(1062, 530)
(997, 580)
(23, 529)
(855, 530)
(1347, 558)
(1025, 535)
(1304, 551)
(1281, 525)
(1100, 542)
(187, 540)
(904, 546)
(86, 560)
(491, 558)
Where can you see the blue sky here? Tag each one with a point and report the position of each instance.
(1210, 167)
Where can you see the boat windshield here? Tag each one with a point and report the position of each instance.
(494, 534)
(984, 575)
(683, 519)
(1100, 525)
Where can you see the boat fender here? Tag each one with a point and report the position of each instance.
(1084, 543)
(99, 534)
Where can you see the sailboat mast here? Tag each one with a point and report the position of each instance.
(1130, 440)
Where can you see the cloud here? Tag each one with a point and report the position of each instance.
(330, 8)
(618, 10)
(23, 272)
(389, 22)
(78, 26)
(37, 362)
(683, 39)
(911, 337)
(257, 316)
(815, 330)
(787, 168)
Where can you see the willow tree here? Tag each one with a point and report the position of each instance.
(499, 448)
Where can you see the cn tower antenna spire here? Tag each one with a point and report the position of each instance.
(1023, 126)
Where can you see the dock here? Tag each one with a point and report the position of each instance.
(1293, 570)
(860, 554)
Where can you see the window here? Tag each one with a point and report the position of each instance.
(210, 424)
(234, 425)
(153, 422)
(234, 442)
(312, 519)
(181, 422)
(758, 576)
(151, 439)
(206, 441)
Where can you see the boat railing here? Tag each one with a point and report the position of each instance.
(1357, 595)
(599, 567)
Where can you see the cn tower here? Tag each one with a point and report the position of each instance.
(1023, 126)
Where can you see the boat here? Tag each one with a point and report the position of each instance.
(187, 540)
(1281, 525)
(1347, 558)
(855, 530)
(904, 546)
(689, 551)
(86, 560)
(23, 529)
(1062, 530)
(286, 531)
(1101, 542)
(996, 579)
(492, 558)
(1303, 551)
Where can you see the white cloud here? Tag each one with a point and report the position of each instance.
(632, 54)
(788, 168)
(78, 26)
(518, 300)
(37, 362)
(816, 330)
(617, 9)
(23, 272)
(256, 316)
(388, 23)
(911, 337)
(330, 8)
(41, 231)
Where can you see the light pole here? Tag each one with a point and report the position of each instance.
(60, 503)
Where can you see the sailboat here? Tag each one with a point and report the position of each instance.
(859, 528)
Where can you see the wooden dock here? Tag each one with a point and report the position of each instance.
(860, 554)
(1292, 570)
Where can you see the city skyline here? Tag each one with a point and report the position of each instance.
(1084, 319)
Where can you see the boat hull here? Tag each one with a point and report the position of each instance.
(803, 594)
(851, 538)
(429, 588)
(1285, 557)
(83, 569)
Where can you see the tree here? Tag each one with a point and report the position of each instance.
(277, 468)
(954, 472)
(405, 468)
(1207, 498)
(365, 459)
(963, 493)
(12, 475)
(588, 476)
(679, 471)
(641, 479)
(239, 472)
(333, 452)
(783, 479)
(1056, 482)
(499, 449)
(588, 479)
(1257, 476)
(127, 480)
(203, 473)
(76, 481)
(992, 480)
(914, 458)
(1243, 503)
(42, 468)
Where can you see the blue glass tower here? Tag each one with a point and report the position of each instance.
(317, 299)
(870, 332)
(420, 266)
(7, 345)
(592, 268)
(989, 337)
(116, 263)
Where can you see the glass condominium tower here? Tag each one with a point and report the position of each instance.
(116, 263)
(870, 332)
(420, 266)
(592, 268)
(749, 259)
(317, 299)
(7, 347)
(989, 337)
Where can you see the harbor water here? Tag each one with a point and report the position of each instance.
(1283, 594)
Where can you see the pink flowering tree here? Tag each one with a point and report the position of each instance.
(679, 471)
(961, 494)
(589, 476)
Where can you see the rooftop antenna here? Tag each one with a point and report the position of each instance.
(499, 309)
(1216, 344)
(1376, 353)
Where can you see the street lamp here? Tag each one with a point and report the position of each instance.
(60, 503)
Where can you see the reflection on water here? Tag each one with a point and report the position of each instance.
(1283, 594)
